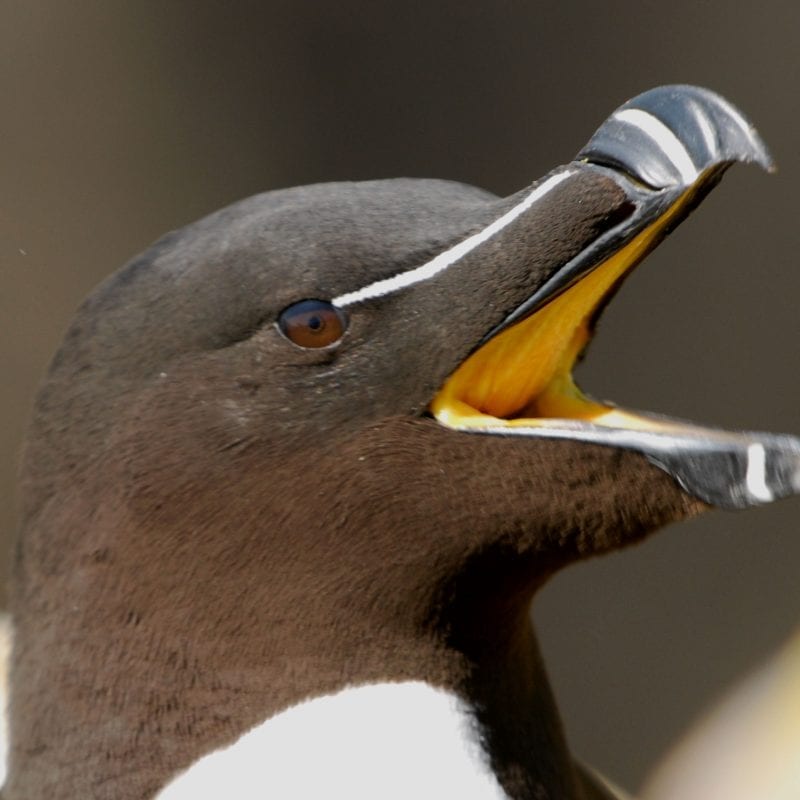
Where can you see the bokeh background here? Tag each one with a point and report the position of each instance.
(119, 121)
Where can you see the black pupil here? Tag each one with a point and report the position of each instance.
(312, 323)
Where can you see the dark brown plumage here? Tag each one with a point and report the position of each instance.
(218, 524)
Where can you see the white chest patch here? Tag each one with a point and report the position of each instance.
(389, 741)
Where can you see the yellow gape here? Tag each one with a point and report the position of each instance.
(523, 376)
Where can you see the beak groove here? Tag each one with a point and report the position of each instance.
(660, 145)
(666, 138)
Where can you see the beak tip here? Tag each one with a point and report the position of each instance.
(768, 162)
(750, 148)
(669, 136)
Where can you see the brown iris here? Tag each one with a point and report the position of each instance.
(312, 323)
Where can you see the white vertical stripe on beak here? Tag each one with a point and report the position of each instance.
(756, 476)
(669, 143)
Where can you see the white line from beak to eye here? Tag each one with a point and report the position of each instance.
(451, 255)
(756, 477)
(671, 145)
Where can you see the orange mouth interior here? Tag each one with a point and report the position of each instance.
(523, 376)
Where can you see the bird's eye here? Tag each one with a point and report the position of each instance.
(312, 323)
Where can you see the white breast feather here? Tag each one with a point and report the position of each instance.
(388, 741)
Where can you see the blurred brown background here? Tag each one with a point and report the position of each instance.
(119, 121)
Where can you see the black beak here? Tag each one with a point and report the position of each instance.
(665, 149)
(667, 138)
(659, 146)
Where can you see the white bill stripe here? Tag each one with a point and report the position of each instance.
(756, 477)
(453, 254)
(670, 144)
(706, 128)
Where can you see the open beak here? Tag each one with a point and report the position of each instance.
(666, 148)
